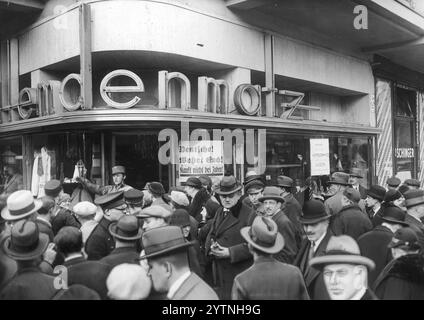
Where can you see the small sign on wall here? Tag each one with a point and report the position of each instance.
(320, 157)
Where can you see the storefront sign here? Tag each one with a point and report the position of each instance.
(320, 157)
(201, 157)
(404, 153)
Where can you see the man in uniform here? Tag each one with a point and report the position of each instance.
(118, 176)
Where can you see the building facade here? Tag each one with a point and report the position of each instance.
(95, 83)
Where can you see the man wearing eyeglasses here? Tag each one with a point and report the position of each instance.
(224, 243)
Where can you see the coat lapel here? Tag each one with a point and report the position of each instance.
(226, 223)
(313, 273)
(186, 287)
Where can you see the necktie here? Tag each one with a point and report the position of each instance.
(226, 211)
(311, 250)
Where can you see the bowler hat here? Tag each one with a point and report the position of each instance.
(394, 214)
(393, 182)
(25, 241)
(20, 204)
(414, 198)
(126, 228)
(405, 238)
(272, 193)
(154, 211)
(392, 195)
(263, 235)
(52, 188)
(313, 211)
(284, 181)
(352, 194)
(110, 200)
(376, 192)
(412, 182)
(163, 241)
(156, 188)
(85, 208)
(194, 182)
(228, 185)
(342, 250)
(133, 197)
(340, 178)
(180, 218)
(118, 169)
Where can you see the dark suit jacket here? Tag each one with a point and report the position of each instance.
(291, 207)
(351, 221)
(418, 227)
(226, 231)
(100, 243)
(269, 279)
(63, 218)
(91, 274)
(288, 231)
(29, 284)
(313, 277)
(373, 245)
(45, 227)
(121, 255)
(194, 288)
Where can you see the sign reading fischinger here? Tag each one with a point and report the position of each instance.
(201, 157)
(320, 157)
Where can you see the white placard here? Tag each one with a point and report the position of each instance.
(320, 157)
(201, 157)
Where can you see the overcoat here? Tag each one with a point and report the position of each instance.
(100, 242)
(351, 221)
(121, 255)
(194, 288)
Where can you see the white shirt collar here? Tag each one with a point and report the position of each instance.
(359, 295)
(73, 256)
(317, 243)
(177, 284)
(376, 207)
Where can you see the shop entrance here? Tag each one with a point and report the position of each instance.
(138, 152)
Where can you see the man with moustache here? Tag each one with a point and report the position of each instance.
(315, 221)
(224, 243)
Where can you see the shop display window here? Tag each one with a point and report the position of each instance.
(11, 163)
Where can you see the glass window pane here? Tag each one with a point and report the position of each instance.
(404, 146)
(406, 103)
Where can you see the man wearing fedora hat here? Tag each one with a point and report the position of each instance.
(414, 202)
(345, 270)
(127, 234)
(315, 221)
(272, 206)
(354, 181)
(118, 177)
(91, 274)
(403, 277)
(100, 242)
(267, 278)
(373, 244)
(375, 197)
(338, 182)
(224, 243)
(26, 246)
(166, 254)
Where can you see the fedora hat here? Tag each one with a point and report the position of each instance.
(85, 208)
(393, 182)
(228, 185)
(194, 182)
(313, 211)
(272, 193)
(340, 250)
(284, 181)
(162, 241)
(340, 178)
(25, 241)
(20, 204)
(414, 198)
(263, 235)
(394, 214)
(126, 228)
(118, 169)
(376, 192)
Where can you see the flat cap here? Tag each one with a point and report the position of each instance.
(155, 211)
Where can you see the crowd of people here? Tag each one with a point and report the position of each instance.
(249, 241)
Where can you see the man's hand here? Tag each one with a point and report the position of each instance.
(50, 254)
(220, 252)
